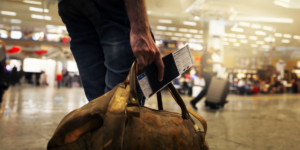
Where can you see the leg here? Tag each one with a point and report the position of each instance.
(86, 49)
(207, 79)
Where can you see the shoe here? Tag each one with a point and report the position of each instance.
(193, 105)
(214, 107)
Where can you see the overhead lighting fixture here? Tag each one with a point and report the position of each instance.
(183, 39)
(201, 31)
(165, 21)
(245, 24)
(252, 37)
(148, 12)
(178, 34)
(256, 26)
(297, 37)
(285, 41)
(188, 35)
(197, 18)
(40, 17)
(161, 28)
(168, 33)
(193, 40)
(244, 41)
(231, 35)
(241, 36)
(266, 46)
(183, 30)
(237, 29)
(38, 9)
(260, 33)
(232, 40)
(267, 28)
(236, 44)
(189, 23)
(254, 45)
(225, 34)
(198, 36)
(225, 43)
(278, 34)
(32, 2)
(263, 19)
(15, 34)
(16, 21)
(282, 4)
(3, 34)
(9, 13)
(158, 32)
(193, 31)
(174, 38)
(200, 41)
(287, 36)
(225, 39)
(15, 27)
(260, 42)
(270, 39)
(172, 28)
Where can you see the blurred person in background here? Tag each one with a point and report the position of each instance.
(58, 79)
(14, 76)
(107, 37)
(4, 79)
(207, 73)
(43, 79)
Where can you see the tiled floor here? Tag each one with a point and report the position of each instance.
(30, 115)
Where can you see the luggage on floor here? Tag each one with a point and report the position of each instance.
(217, 92)
(116, 121)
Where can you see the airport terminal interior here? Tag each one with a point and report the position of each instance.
(255, 45)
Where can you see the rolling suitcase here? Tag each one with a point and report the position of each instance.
(217, 92)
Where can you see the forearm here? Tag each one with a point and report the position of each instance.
(137, 14)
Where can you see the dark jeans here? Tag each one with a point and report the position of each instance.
(207, 77)
(100, 42)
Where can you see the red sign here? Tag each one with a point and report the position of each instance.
(14, 50)
(41, 52)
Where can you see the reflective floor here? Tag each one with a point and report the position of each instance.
(29, 116)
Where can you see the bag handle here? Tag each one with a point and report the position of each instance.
(133, 99)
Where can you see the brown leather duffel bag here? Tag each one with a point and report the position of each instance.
(117, 121)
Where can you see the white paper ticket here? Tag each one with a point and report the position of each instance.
(145, 85)
(183, 59)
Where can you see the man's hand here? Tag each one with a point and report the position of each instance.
(146, 52)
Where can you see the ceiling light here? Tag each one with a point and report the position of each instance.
(225, 39)
(165, 21)
(231, 35)
(148, 12)
(278, 34)
(297, 37)
(256, 26)
(183, 30)
(282, 4)
(193, 31)
(236, 44)
(260, 42)
(32, 2)
(3, 34)
(285, 41)
(188, 35)
(168, 33)
(286, 1)
(263, 19)
(158, 32)
(15, 34)
(183, 39)
(197, 18)
(178, 34)
(161, 28)
(47, 17)
(241, 36)
(17, 21)
(201, 31)
(267, 28)
(244, 41)
(232, 40)
(193, 40)
(38, 9)
(237, 29)
(245, 24)
(174, 38)
(200, 41)
(40, 17)
(172, 28)
(254, 45)
(225, 43)
(198, 36)
(270, 39)
(287, 36)
(252, 37)
(15, 28)
(9, 13)
(260, 33)
(189, 23)
(265, 46)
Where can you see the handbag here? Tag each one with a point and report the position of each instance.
(116, 120)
